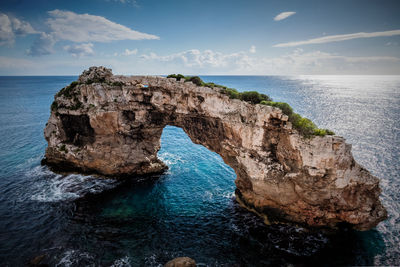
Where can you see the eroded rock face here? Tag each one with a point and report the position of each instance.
(181, 262)
(112, 125)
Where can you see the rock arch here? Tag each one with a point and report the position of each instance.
(112, 125)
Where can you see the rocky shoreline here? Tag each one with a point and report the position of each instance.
(111, 125)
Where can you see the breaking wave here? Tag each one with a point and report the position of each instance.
(51, 187)
(170, 159)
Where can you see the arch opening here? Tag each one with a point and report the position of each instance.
(197, 175)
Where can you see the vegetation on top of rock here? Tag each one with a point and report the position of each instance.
(253, 97)
(305, 126)
(95, 80)
(68, 91)
(63, 149)
(178, 77)
(54, 106)
(196, 80)
(95, 75)
(77, 104)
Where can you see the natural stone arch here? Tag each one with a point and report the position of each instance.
(112, 125)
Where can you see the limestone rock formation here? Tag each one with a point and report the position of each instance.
(181, 262)
(112, 125)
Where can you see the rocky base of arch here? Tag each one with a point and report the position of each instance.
(112, 125)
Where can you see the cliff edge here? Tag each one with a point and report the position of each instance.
(112, 125)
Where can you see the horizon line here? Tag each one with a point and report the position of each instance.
(74, 75)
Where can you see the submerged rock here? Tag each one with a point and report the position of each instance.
(112, 125)
(181, 262)
(38, 261)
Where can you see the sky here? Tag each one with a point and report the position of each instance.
(200, 37)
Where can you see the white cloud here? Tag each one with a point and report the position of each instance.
(42, 46)
(22, 27)
(80, 50)
(205, 62)
(284, 15)
(128, 52)
(252, 49)
(298, 55)
(6, 31)
(67, 25)
(341, 37)
(11, 27)
(318, 62)
(369, 59)
(295, 62)
(204, 59)
(82, 28)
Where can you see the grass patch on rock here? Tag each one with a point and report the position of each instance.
(305, 126)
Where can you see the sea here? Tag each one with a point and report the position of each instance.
(77, 220)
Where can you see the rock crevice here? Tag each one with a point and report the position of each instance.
(112, 125)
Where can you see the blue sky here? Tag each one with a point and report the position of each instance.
(200, 37)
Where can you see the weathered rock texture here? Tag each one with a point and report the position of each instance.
(181, 262)
(112, 125)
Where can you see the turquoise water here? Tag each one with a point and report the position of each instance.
(190, 210)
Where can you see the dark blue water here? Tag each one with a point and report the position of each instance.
(189, 211)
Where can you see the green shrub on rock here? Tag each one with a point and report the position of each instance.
(253, 97)
(178, 77)
(54, 106)
(195, 79)
(68, 91)
(329, 132)
(63, 149)
(305, 126)
(285, 107)
(212, 85)
(323, 132)
(232, 93)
